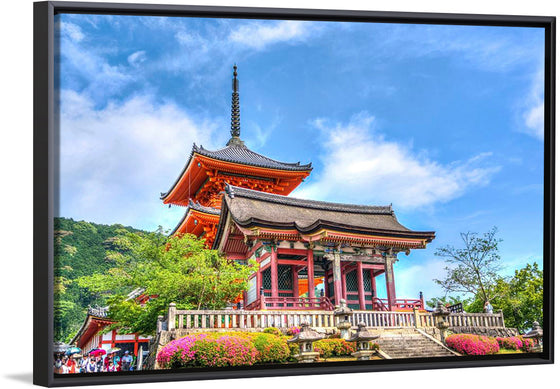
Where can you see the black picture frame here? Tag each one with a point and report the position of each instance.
(45, 167)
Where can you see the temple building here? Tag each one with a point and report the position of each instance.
(310, 254)
(202, 181)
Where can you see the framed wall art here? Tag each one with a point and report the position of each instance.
(226, 192)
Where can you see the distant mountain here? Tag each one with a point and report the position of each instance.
(79, 249)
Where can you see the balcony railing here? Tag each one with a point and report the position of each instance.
(291, 303)
(400, 304)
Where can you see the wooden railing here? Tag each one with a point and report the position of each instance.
(299, 303)
(291, 303)
(400, 304)
(244, 319)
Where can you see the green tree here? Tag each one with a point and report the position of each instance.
(474, 268)
(451, 300)
(177, 269)
(520, 298)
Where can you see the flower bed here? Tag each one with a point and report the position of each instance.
(511, 343)
(224, 349)
(472, 344)
(528, 344)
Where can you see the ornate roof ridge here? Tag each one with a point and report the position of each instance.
(235, 153)
(233, 191)
(198, 207)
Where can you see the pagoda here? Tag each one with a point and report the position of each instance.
(202, 181)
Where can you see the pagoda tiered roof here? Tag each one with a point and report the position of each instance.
(243, 155)
(273, 216)
(237, 160)
(200, 221)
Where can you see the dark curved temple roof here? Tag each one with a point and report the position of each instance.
(196, 207)
(237, 153)
(251, 208)
(241, 154)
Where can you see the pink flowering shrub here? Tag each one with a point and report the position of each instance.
(224, 349)
(293, 330)
(511, 343)
(472, 344)
(528, 344)
(179, 352)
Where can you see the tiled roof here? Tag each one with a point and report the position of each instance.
(234, 191)
(241, 154)
(238, 153)
(196, 207)
(254, 208)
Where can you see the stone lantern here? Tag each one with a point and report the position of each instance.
(362, 337)
(343, 315)
(305, 339)
(536, 333)
(440, 315)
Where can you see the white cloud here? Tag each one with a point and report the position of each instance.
(258, 35)
(136, 58)
(115, 162)
(533, 108)
(362, 166)
(72, 31)
(412, 278)
(87, 68)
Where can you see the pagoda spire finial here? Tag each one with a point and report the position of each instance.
(235, 121)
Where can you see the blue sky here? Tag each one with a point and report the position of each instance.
(444, 122)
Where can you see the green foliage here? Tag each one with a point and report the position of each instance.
(175, 269)
(451, 300)
(273, 331)
(474, 268)
(78, 251)
(328, 348)
(520, 298)
(271, 348)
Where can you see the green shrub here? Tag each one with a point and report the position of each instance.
(328, 348)
(273, 331)
(271, 348)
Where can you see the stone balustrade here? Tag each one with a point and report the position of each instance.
(243, 319)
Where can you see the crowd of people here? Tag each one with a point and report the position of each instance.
(72, 364)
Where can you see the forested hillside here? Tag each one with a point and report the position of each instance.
(80, 249)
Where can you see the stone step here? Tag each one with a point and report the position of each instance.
(410, 344)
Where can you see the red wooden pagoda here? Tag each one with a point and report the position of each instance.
(200, 185)
(310, 254)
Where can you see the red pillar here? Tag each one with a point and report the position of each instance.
(361, 292)
(274, 272)
(310, 274)
(295, 282)
(390, 280)
(136, 344)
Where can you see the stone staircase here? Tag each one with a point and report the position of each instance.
(410, 343)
